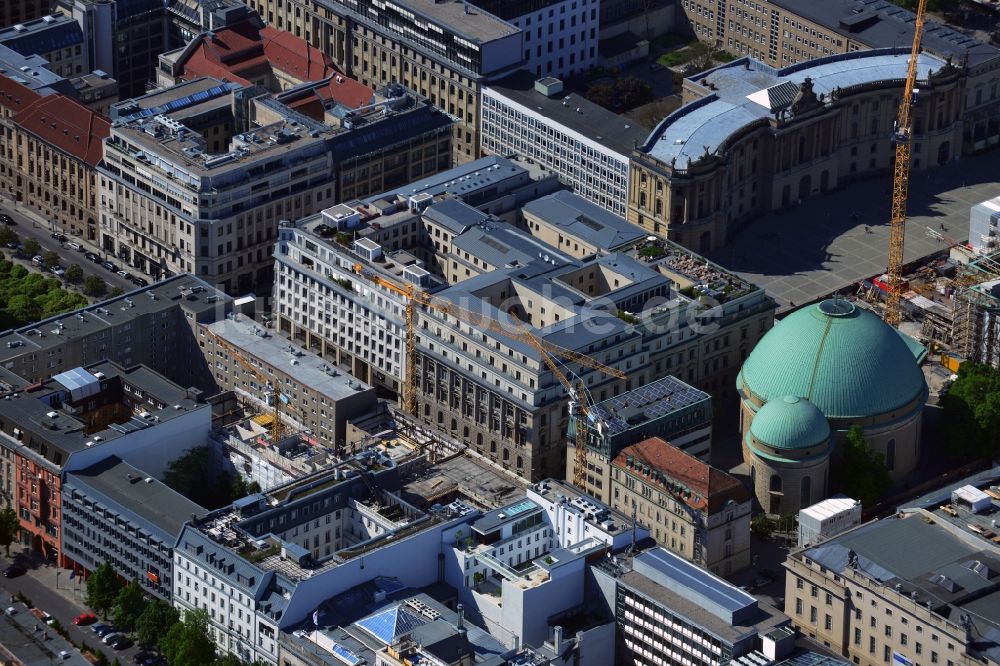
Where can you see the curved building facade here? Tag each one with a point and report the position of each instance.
(751, 138)
(853, 368)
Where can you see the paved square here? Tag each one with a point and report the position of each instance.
(802, 254)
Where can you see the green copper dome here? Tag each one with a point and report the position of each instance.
(844, 359)
(790, 423)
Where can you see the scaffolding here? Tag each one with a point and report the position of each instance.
(976, 328)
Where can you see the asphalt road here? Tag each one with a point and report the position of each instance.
(29, 228)
(64, 610)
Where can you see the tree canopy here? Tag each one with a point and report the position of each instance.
(103, 586)
(129, 605)
(155, 621)
(861, 472)
(187, 643)
(26, 297)
(94, 286)
(971, 417)
(195, 475)
(9, 527)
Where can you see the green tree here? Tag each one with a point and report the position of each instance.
(7, 235)
(117, 291)
(193, 476)
(74, 274)
(601, 93)
(9, 527)
(633, 91)
(103, 585)
(763, 526)
(228, 660)
(155, 621)
(31, 247)
(51, 258)
(94, 286)
(187, 643)
(129, 605)
(971, 415)
(861, 472)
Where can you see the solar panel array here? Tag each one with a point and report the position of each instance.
(182, 102)
(654, 400)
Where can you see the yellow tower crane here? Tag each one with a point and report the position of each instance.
(276, 396)
(901, 177)
(547, 350)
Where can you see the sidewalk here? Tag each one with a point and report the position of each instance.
(43, 223)
(53, 578)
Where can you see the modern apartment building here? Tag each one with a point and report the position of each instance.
(266, 563)
(560, 36)
(315, 399)
(917, 587)
(691, 508)
(670, 611)
(115, 513)
(53, 147)
(318, 299)
(444, 51)
(784, 32)
(586, 145)
(751, 139)
(56, 37)
(666, 408)
(175, 190)
(152, 326)
(122, 37)
(80, 417)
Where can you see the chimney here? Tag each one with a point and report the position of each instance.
(461, 615)
(557, 637)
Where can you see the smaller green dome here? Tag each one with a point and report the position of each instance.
(790, 423)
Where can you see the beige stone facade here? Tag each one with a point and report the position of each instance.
(378, 53)
(49, 150)
(689, 507)
(867, 621)
(808, 147)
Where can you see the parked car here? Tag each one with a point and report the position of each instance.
(64, 655)
(110, 266)
(75, 246)
(11, 610)
(58, 270)
(8, 220)
(47, 618)
(38, 259)
(111, 636)
(13, 571)
(138, 281)
(124, 274)
(59, 237)
(120, 642)
(102, 630)
(13, 245)
(84, 619)
(93, 257)
(142, 655)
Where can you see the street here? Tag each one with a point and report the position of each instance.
(28, 227)
(37, 585)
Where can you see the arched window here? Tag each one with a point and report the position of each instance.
(890, 455)
(775, 483)
(804, 491)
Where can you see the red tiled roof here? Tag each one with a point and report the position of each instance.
(712, 488)
(346, 91)
(67, 125)
(231, 53)
(15, 96)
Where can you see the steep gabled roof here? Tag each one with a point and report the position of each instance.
(67, 125)
(712, 488)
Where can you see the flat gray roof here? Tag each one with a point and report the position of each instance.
(152, 505)
(462, 180)
(468, 21)
(598, 124)
(655, 400)
(578, 217)
(309, 370)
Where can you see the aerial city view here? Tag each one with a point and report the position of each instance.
(500, 332)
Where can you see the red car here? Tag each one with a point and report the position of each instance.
(84, 619)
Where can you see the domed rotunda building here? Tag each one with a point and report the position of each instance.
(842, 363)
